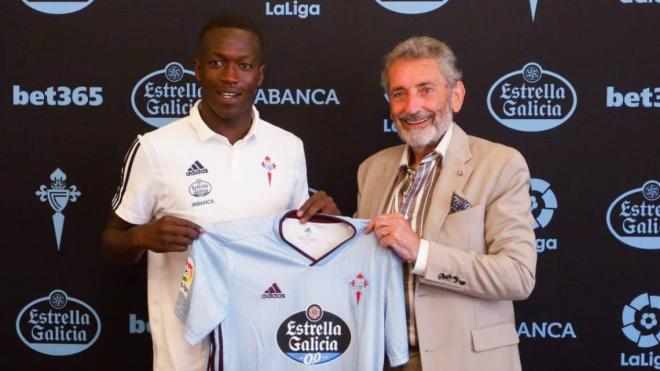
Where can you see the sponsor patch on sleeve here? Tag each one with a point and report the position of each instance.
(186, 279)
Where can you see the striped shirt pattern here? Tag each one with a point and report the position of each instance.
(411, 197)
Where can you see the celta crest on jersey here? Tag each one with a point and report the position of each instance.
(196, 168)
(359, 284)
(313, 336)
(269, 165)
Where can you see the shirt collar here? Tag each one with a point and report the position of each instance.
(205, 133)
(440, 149)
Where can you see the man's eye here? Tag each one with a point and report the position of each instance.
(427, 90)
(245, 66)
(216, 63)
(397, 94)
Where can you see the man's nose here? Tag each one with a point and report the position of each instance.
(229, 74)
(413, 103)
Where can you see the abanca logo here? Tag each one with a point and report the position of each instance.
(58, 325)
(165, 95)
(411, 6)
(531, 99)
(634, 217)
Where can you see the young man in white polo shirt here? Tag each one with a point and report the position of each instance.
(222, 162)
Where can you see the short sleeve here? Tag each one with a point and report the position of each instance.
(136, 196)
(203, 297)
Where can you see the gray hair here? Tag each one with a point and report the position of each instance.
(418, 47)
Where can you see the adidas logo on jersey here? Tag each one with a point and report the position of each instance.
(273, 292)
(196, 168)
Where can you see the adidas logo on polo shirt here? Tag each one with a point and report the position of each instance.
(196, 168)
(273, 292)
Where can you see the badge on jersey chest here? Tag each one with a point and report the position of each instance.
(314, 336)
(269, 166)
(359, 285)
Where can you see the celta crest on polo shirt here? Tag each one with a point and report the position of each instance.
(269, 166)
(359, 285)
(58, 196)
(313, 336)
(165, 95)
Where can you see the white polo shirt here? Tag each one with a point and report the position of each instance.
(187, 170)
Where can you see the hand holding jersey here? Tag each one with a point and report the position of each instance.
(393, 231)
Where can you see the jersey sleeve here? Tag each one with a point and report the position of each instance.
(203, 293)
(396, 332)
(300, 192)
(136, 196)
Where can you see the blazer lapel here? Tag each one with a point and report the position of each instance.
(454, 174)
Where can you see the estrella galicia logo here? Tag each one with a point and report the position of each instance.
(58, 325)
(58, 196)
(58, 6)
(314, 336)
(640, 320)
(634, 217)
(200, 188)
(411, 6)
(544, 202)
(165, 95)
(532, 99)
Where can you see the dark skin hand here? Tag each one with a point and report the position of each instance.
(125, 243)
(319, 202)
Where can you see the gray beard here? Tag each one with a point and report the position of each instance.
(421, 138)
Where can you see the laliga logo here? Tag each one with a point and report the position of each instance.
(544, 202)
(531, 99)
(58, 196)
(640, 320)
(58, 325)
(165, 95)
(634, 217)
(57, 6)
(411, 6)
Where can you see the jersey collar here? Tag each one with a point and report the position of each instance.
(317, 218)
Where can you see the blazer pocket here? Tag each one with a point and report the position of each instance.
(495, 336)
(468, 214)
(465, 230)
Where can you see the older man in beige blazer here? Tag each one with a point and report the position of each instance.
(456, 209)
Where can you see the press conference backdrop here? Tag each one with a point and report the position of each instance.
(574, 85)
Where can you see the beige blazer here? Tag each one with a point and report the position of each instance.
(480, 258)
